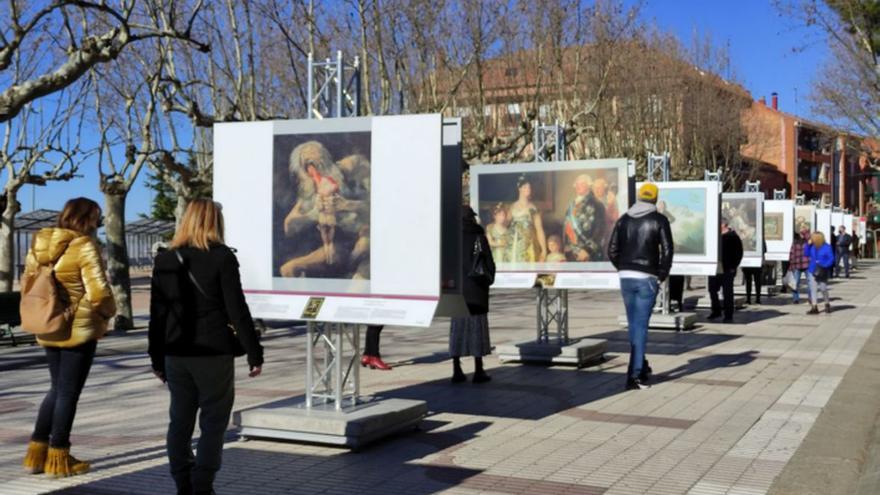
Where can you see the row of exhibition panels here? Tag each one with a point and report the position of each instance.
(395, 197)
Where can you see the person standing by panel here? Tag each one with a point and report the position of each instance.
(731, 257)
(199, 322)
(641, 249)
(71, 250)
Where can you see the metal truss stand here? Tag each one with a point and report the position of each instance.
(332, 411)
(334, 88)
(552, 317)
(549, 142)
(333, 378)
(553, 308)
(752, 187)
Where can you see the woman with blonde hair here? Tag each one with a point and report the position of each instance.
(72, 251)
(199, 321)
(819, 270)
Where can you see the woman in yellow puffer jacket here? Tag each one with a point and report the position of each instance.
(72, 249)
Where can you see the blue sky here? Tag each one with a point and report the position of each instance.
(769, 53)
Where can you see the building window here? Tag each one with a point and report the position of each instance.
(510, 72)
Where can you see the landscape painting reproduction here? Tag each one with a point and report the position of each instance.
(774, 226)
(804, 218)
(743, 218)
(686, 211)
(321, 206)
(549, 216)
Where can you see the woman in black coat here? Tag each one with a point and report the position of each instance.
(469, 335)
(199, 321)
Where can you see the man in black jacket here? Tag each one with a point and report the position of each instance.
(731, 256)
(641, 250)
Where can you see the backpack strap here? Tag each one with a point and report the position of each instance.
(192, 277)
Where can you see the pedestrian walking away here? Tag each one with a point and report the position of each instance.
(731, 257)
(199, 321)
(641, 249)
(844, 243)
(469, 335)
(72, 251)
(819, 270)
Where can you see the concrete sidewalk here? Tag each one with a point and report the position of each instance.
(732, 405)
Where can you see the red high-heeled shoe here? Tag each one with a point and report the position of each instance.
(365, 360)
(376, 363)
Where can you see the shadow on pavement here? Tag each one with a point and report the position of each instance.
(385, 467)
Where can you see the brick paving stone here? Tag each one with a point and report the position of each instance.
(731, 405)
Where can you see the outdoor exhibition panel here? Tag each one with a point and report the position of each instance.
(744, 212)
(551, 219)
(863, 230)
(805, 218)
(302, 198)
(823, 222)
(778, 228)
(836, 221)
(848, 223)
(693, 210)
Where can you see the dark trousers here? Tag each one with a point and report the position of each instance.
(68, 369)
(785, 265)
(371, 346)
(205, 383)
(676, 291)
(723, 282)
(750, 275)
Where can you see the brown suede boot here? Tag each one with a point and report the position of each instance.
(35, 458)
(60, 464)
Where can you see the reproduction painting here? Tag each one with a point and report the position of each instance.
(774, 226)
(540, 216)
(321, 206)
(805, 218)
(742, 214)
(686, 210)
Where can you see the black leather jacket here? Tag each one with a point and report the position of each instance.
(642, 244)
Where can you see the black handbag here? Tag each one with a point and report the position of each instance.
(821, 273)
(237, 347)
(480, 270)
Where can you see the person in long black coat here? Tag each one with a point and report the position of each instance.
(469, 335)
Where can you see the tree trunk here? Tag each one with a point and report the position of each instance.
(180, 208)
(117, 258)
(7, 241)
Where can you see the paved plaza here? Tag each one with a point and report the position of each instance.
(731, 406)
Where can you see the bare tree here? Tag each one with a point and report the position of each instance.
(125, 104)
(65, 39)
(40, 144)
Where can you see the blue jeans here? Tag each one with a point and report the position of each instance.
(795, 293)
(639, 296)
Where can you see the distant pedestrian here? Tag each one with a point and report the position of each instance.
(71, 250)
(798, 263)
(731, 257)
(199, 321)
(844, 243)
(469, 335)
(821, 264)
(641, 250)
(754, 275)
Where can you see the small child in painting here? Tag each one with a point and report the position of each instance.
(554, 245)
(498, 234)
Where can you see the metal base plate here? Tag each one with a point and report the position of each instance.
(352, 427)
(577, 353)
(672, 321)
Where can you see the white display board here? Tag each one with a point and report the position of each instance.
(301, 199)
(823, 222)
(848, 223)
(837, 220)
(745, 213)
(551, 219)
(863, 230)
(693, 210)
(778, 228)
